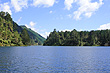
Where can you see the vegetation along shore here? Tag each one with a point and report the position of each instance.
(11, 34)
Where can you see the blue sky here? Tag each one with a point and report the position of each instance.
(43, 16)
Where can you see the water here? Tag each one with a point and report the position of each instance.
(43, 59)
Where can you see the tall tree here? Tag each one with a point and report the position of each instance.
(25, 37)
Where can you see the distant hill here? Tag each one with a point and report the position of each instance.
(35, 37)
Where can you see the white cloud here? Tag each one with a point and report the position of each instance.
(89, 14)
(19, 19)
(105, 26)
(69, 15)
(80, 30)
(45, 3)
(65, 30)
(41, 31)
(32, 28)
(68, 4)
(19, 4)
(45, 34)
(32, 23)
(51, 12)
(6, 8)
(86, 7)
(27, 26)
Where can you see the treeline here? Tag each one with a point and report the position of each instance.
(11, 34)
(78, 38)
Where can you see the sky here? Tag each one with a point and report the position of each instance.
(43, 16)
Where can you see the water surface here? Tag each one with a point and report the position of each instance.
(44, 59)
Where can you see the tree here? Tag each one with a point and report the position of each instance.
(2, 14)
(25, 37)
(75, 38)
(8, 17)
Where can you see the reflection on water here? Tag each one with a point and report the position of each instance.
(55, 59)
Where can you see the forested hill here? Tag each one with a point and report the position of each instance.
(35, 37)
(78, 38)
(11, 34)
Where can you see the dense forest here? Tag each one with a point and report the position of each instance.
(78, 38)
(11, 34)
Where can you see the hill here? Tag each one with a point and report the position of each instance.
(11, 34)
(35, 37)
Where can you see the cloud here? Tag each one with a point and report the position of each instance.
(19, 19)
(32, 23)
(41, 31)
(27, 26)
(19, 4)
(65, 30)
(68, 4)
(32, 28)
(86, 7)
(6, 8)
(104, 26)
(51, 12)
(45, 3)
(69, 15)
(45, 34)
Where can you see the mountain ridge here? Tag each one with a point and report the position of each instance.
(36, 36)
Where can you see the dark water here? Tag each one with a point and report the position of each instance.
(40, 59)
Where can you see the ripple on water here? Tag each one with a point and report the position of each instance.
(55, 60)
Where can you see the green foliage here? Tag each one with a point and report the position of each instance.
(11, 34)
(1, 40)
(76, 38)
(25, 37)
(34, 36)
(5, 41)
(16, 27)
(7, 35)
